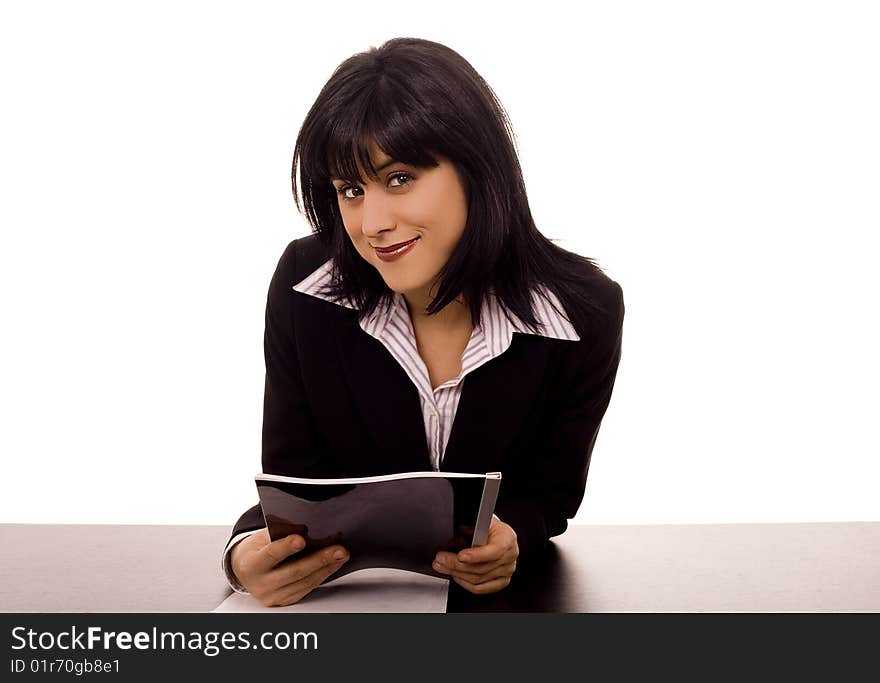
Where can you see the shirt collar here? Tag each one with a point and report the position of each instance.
(497, 325)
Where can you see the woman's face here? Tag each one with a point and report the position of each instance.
(405, 203)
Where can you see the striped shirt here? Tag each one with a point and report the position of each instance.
(393, 328)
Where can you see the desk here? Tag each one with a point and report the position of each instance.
(654, 568)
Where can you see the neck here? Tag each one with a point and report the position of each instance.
(454, 315)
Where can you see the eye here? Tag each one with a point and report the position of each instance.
(402, 178)
(345, 190)
(349, 193)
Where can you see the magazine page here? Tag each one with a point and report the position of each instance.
(368, 590)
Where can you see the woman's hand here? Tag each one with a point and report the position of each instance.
(486, 568)
(254, 561)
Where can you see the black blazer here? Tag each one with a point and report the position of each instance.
(337, 404)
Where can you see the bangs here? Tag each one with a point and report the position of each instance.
(392, 119)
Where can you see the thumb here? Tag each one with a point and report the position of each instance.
(277, 551)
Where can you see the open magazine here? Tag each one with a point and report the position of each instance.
(397, 521)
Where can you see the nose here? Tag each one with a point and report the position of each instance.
(377, 214)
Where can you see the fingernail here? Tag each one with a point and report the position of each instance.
(339, 555)
(464, 558)
(297, 543)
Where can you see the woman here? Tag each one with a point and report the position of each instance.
(426, 298)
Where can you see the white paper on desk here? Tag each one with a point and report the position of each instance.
(366, 590)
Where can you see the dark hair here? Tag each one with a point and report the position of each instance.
(418, 99)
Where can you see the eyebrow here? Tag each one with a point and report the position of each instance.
(379, 169)
(386, 165)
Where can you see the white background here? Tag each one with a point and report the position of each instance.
(720, 160)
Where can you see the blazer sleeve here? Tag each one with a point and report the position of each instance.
(545, 492)
(292, 445)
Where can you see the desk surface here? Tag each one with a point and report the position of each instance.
(655, 568)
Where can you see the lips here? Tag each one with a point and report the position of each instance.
(394, 247)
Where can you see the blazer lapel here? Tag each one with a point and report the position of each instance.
(386, 398)
(495, 401)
